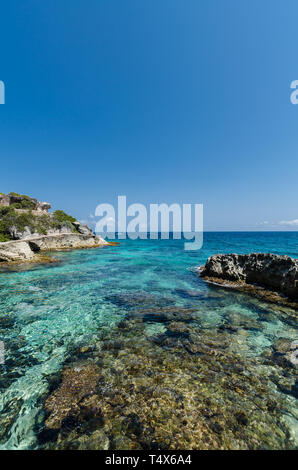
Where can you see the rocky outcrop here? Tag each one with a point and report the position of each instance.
(28, 250)
(84, 229)
(65, 241)
(273, 272)
(12, 251)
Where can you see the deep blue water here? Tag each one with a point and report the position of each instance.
(47, 310)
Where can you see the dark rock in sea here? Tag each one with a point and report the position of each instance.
(46, 435)
(294, 389)
(216, 427)
(228, 327)
(164, 340)
(274, 272)
(6, 321)
(167, 314)
(189, 294)
(112, 345)
(159, 339)
(194, 348)
(178, 329)
(133, 424)
(124, 325)
(241, 418)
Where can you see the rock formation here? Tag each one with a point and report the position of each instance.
(273, 272)
(29, 250)
(26, 229)
(12, 251)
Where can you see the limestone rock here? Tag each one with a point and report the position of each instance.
(27, 233)
(84, 229)
(65, 241)
(11, 251)
(24, 250)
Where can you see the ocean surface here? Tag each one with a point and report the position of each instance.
(72, 314)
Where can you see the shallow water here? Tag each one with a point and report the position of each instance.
(47, 313)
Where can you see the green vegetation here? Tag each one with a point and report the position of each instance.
(14, 221)
(11, 218)
(61, 216)
(4, 238)
(24, 204)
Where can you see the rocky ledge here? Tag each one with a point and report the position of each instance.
(268, 271)
(30, 250)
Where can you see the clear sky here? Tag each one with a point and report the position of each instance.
(159, 100)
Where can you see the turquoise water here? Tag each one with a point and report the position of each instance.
(48, 311)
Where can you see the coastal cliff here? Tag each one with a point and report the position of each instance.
(272, 272)
(27, 229)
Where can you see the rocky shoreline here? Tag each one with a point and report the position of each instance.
(27, 230)
(271, 277)
(30, 250)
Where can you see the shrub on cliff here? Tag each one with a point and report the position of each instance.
(23, 201)
(11, 219)
(4, 238)
(24, 204)
(61, 216)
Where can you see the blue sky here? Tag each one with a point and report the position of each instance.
(161, 101)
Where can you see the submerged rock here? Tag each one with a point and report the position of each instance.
(179, 329)
(285, 353)
(184, 389)
(242, 321)
(166, 314)
(64, 403)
